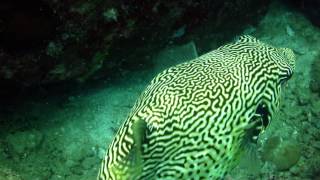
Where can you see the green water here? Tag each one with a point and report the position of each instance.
(64, 134)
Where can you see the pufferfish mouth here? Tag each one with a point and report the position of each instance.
(260, 122)
(264, 113)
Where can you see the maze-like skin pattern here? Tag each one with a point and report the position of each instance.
(191, 120)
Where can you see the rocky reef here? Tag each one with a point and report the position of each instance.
(45, 42)
(283, 154)
(64, 135)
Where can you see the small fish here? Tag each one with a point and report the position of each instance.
(194, 118)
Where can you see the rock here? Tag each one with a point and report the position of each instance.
(269, 146)
(100, 152)
(286, 156)
(315, 107)
(317, 145)
(303, 98)
(70, 163)
(57, 177)
(292, 111)
(283, 154)
(295, 170)
(24, 142)
(305, 138)
(76, 170)
(74, 152)
(2, 153)
(289, 30)
(315, 76)
(313, 170)
(89, 162)
(8, 174)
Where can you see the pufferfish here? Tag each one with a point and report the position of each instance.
(191, 122)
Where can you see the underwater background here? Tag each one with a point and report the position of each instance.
(70, 71)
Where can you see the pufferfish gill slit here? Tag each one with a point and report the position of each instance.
(192, 120)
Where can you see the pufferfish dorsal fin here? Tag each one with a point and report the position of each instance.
(176, 54)
(246, 39)
(190, 51)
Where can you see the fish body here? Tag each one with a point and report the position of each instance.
(192, 120)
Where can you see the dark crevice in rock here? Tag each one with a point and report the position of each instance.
(46, 42)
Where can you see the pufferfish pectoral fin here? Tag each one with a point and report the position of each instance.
(135, 159)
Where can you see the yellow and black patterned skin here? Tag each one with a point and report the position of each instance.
(191, 121)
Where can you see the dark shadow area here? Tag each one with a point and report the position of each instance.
(25, 25)
(310, 8)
